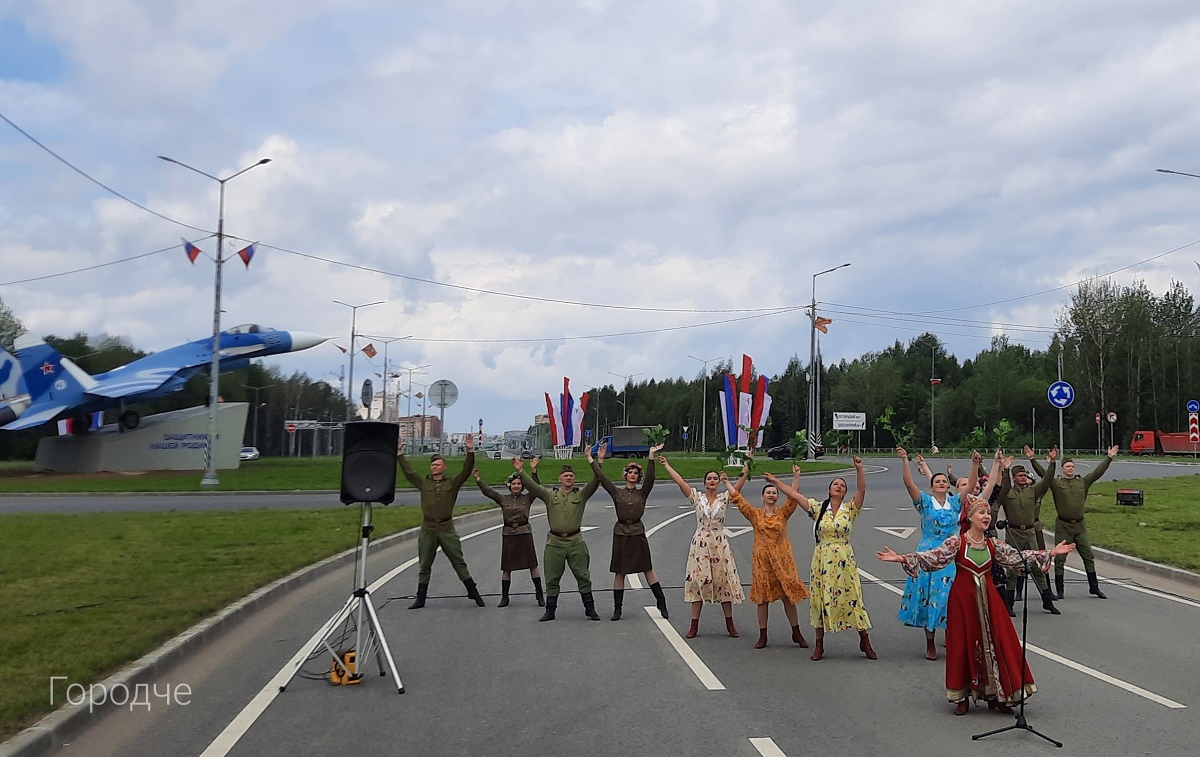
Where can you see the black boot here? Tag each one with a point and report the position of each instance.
(1094, 586)
(1058, 584)
(1018, 592)
(1048, 602)
(473, 592)
(1009, 602)
(419, 602)
(537, 588)
(660, 599)
(618, 598)
(589, 606)
(551, 606)
(504, 593)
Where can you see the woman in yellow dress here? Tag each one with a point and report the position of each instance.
(774, 567)
(836, 603)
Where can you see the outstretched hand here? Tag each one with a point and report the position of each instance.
(399, 446)
(475, 473)
(469, 442)
(976, 457)
(858, 462)
(902, 454)
(655, 450)
(1113, 450)
(1052, 455)
(519, 464)
(1028, 452)
(887, 555)
(533, 463)
(1062, 548)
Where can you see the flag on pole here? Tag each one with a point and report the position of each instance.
(245, 254)
(370, 350)
(191, 250)
(822, 324)
(340, 347)
(553, 421)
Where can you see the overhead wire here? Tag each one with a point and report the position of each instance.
(90, 267)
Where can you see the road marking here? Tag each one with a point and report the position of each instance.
(648, 507)
(1139, 691)
(237, 727)
(634, 581)
(767, 747)
(1142, 589)
(739, 530)
(897, 531)
(693, 660)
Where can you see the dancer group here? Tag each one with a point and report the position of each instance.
(961, 579)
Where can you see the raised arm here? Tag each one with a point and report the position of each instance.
(973, 480)
(678, 479)
(745, 474)
(488, 491)
(598, 475)
(1033, 462)
(923, 467)
(860, 492)
(537, 489)
(913, 492)
(791, 492)
(993, 478)
(533, 464)
(468, 465)
(1099, 470)
(406, 467)
(648, 478)
(1043, 484)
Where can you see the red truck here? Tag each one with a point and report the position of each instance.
(1159, 443)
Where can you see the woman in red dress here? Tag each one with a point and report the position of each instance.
(983, 651)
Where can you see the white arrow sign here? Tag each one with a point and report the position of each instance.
(902, 533)
(739, 531)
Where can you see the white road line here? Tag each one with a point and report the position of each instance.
(1142, 589)
(634, 581)
(767, 747)
(237, 728)
(691, 658)
(1139, 691)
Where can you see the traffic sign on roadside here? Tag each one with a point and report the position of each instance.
(1112, 417)
(1194, 428)
(1193, 406)
(1061, 394)
(291, 428)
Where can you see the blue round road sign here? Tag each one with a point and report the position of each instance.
(1061, 394)
(685, 436)
(587, 432)
(1193, 406)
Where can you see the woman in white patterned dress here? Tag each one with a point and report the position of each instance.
(711, 571)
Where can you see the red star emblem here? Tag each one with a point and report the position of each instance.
(47, 368)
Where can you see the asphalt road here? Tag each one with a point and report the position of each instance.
(1115, 677)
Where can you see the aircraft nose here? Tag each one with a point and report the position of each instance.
(302, 340)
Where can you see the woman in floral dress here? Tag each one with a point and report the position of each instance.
(836, 603)
(712, 574)
(774, 567)
(983, 652)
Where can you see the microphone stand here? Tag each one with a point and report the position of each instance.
(1021, 723)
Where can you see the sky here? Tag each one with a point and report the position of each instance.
(551, 188)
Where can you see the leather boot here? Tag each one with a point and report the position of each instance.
(537, 588)
(1019, 591)
(618, 598)
(963, 707)
(1059, 579)
(473, 592)
(762, 639)
(864, 645)
(660, 599)
(551, 606)
(930, 648)
(798, 637)
(504, 585)
(1009, 601)
(1094, 586)
(1048, 602)
(729, 626)
(818, 646)
(692, 629)
(589, 606)
(419, 602)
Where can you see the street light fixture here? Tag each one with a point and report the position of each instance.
(624, 393)
(256, 390)
(408, 412)
(210, 463)
(386, 341)
(814, 409)
(704, 402)
(353, 324)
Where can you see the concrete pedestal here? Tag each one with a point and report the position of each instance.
(167, 441)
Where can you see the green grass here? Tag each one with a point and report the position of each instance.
(324, 474)
(1165, 529)
(85, 594)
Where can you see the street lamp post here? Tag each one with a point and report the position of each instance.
(408, 412)
(424, 393)
(256, 390)
(704, 402)
(387, 340)
(813, 420)
(625, 393)
(353, 325)
(210, 463)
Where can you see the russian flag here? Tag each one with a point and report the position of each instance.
(191, 250)
(246, 253)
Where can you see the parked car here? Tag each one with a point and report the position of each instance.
(784, 451)
(526, 454)
(248, 453)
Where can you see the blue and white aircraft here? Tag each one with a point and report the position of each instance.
(38, 385)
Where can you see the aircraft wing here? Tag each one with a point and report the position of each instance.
(36, 415)
(118, 384)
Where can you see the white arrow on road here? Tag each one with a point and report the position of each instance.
(902, 533)
(738, 531)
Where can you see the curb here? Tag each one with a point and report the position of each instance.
(54, 730)
(1128, 561)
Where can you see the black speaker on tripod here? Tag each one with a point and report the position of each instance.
(369, 462)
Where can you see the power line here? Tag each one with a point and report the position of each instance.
(936, 321)
(90, 267)
(96, 181)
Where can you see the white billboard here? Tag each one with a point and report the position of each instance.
(849, 421)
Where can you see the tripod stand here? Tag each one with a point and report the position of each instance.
(1021, 723)
(368, 636)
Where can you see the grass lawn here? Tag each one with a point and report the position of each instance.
(1164, 529)
(84, 594)
(324, 473)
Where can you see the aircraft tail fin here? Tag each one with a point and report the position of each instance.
(48, 374)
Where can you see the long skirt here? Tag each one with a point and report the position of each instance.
(983, 651)
(630, 554)
(517, 552)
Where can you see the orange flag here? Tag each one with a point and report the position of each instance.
(370, 350)
(822, 323)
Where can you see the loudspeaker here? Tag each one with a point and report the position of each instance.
(369, 462)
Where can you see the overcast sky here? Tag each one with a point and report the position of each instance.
(702, 156)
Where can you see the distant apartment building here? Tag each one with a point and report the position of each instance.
(415, 427)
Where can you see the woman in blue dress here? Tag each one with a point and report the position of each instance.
(927, 596)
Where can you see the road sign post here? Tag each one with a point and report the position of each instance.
(1112, 440)
(444, 393)
(1193, 429)
(1061, 395)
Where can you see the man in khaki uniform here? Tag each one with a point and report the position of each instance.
(1021, 500)
(438, 495)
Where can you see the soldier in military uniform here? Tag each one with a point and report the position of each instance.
(564, 544)
(1070, 497)
(631, 548)
(517, 551)
(438, 495)
(1021, 499)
